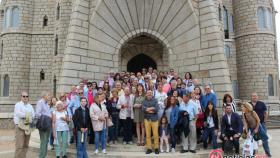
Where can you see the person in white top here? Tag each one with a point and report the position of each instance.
(161, 98)
(23, 113)
(60, 129)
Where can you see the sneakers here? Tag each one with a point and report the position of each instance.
(104, 151)
(161, 151)
(148, 151)
(193, 151)
(96, 152)
(184, 151)
(130, 143)
(156, 151)
(173, 150)
(124, 143)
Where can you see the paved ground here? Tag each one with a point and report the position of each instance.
(7, 144)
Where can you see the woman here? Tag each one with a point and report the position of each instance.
(252, 123)
(139, 114)
(114, 115)
(173, 121)
(211, 125)
(99, 116)
(60, 129)
(188, 78)
(63, 99)
(52, 109)
(179, 82)
(161, 98)
(106, 89)
(229, 100)
(82, 122)
(178, 98)
(94, 88)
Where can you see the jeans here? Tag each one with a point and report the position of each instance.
(100, 136)
(44, 139)
(209, 132)
(61, 142)
(113, 131)
(127, 129)
(264, 126)
(81, 147)
(264, 138)
(173, 137)
(151, 126)
(51, 138)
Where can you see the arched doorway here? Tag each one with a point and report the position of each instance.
(140, 61)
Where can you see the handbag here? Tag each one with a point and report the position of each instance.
(110, 122)
(256, 136)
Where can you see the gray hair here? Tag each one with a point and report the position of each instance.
(44, 93)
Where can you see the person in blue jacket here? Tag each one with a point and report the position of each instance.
(173, 121)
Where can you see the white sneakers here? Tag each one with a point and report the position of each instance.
(103, 151)
(173, 150)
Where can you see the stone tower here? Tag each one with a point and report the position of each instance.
(257, 61)
(16, 38)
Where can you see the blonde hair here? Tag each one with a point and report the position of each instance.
(248, 106)
(59, 103)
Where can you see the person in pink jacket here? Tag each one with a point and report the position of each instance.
(99, 116)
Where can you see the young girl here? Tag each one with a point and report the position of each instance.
(60, 129)
(164, 130)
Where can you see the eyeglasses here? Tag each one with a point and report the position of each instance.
(25, 96)
(81, 92)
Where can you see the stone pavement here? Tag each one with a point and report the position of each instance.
(7, 148)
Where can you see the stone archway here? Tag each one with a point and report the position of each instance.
(140, 61)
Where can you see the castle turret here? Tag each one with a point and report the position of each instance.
(16, 47)
(257, 61)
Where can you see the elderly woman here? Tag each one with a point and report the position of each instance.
(252, 122)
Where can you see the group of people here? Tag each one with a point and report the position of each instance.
(154, 106)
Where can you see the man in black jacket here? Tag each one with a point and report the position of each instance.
(231, 128)
(82, 122)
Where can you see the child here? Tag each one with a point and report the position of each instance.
(60, 129)
(164, 130)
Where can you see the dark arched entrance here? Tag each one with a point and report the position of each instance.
(140, 61)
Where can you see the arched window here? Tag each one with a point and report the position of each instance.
(7, 20)
(231, 23)
(45, 21)
(58, 12)
(235, 88)
(226, 28)
(261, 18)
(54, 85)
(6, 87)
(227, 51)
(269, 19)
(270, 85)
(15, 17)
(56, 45)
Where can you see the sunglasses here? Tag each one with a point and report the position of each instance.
(25, 96)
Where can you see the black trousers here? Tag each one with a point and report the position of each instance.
(127, 129)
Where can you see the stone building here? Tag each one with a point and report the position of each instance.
(53, 44)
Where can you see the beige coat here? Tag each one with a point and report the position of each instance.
(95, 113)
(124, 111)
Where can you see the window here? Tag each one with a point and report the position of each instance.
(15, 17)
(1, 49)
(231, 23)
(6, 86)
(275, 50)
(54, 85)
(269, 19)
(235, 88)
(227, 51)
(56, 45)
(45, 21)
(270, 85)
(226, 28)
(58, 12)
(7, 20)
(220, 13)
(261, 18)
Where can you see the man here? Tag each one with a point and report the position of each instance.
(189, 142)
(146, 82)
(150, 70)
(170, 75)
(150, 108)
(140, 78)
(23, 113)
(89, 94)
(125, 104)
(209, 96)
(174, 88)
(231, 128)
(43, 109)
(260, 108)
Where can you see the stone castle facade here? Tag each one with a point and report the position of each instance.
(53, 44)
